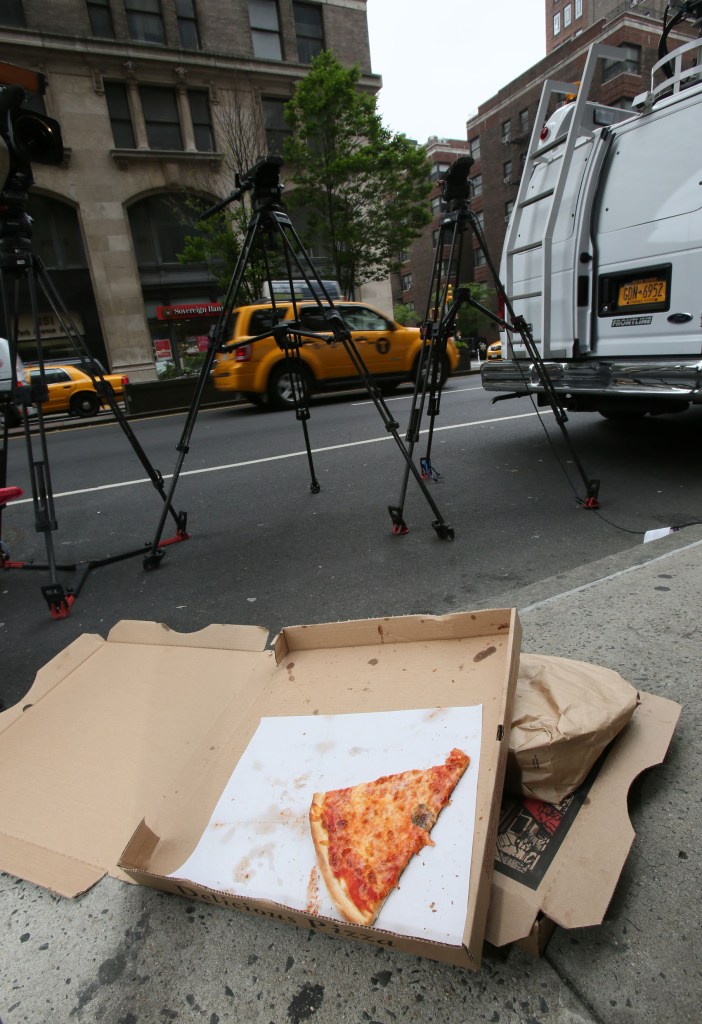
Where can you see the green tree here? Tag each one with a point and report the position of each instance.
(406, 315)
(470, 321)
(364, 189)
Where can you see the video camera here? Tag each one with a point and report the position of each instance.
(26, 136)
(456, 187)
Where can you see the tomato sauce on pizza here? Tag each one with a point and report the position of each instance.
(365, 835)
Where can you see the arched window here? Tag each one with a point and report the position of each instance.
(160, 224)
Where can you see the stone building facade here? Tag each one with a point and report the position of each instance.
(148, 94)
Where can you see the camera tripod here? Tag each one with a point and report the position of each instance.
(269, 229)
(20, 266)
(444, 302)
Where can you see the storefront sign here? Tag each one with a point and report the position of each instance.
(188, 311)
(162, 348)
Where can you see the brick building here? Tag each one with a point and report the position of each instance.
(410, 284)
(498, 135)
(146, 92)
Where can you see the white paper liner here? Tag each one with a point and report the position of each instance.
(258, 842)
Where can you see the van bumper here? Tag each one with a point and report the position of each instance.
(678, 380)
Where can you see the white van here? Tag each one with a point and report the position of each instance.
(8, 398)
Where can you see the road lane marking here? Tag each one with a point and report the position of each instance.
(403, 398)
(278, 458)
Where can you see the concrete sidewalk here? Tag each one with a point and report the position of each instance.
(123, 954)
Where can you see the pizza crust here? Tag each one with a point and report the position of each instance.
(337, 890)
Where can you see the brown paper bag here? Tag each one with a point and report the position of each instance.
(565, 714)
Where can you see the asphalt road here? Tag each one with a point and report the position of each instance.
(263, 549)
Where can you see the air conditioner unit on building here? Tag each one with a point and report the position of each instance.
(506, 138)
(507, 179)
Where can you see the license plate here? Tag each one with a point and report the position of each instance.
(643, 293)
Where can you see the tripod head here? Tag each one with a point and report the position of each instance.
(262, 180)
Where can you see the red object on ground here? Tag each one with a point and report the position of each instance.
(9, 493)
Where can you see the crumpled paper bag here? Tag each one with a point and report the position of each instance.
(565, 714)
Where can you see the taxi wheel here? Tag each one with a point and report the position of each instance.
(445, 369)
(86, 403)
(280, 385)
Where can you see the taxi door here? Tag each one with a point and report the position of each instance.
(373, 336)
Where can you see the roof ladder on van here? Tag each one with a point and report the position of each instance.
(578, 126)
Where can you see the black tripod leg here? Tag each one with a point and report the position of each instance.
(104, 390)
(341, 333)
(153, 559)
(300, 397)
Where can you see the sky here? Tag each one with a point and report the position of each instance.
(439, 59)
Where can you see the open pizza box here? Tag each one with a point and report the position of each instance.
(120, 755)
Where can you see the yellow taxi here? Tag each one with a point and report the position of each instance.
(494, 351)
(260, 370)
(71, 390)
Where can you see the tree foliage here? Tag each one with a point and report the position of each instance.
(364, 189)
(217, 241)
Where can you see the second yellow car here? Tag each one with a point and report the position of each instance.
(71, 390)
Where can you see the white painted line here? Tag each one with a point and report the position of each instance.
(403, 398)
(277, 458)
(609, 578)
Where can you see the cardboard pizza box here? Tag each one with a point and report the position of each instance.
(143, 731)
(559, 864)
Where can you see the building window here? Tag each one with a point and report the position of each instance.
(475, 147)
(477, 183)
(265, 29)
(406, 282)
(438, 171)
(567, 16)
(100, 19)
(578, 8)
(202, 120)
(479, 257)
(507, 172)
(480, 218)
(120, 116)
(144, 20)
(277, 130)
(56, 234)
(161, 118)
(187, 24)
(509, 206)
(631, 62)
(435, 236)
(12, 14)
(308, 29)
(437, 205)
(507, 131)
(160, 224)
(523, 122)
(557, 23)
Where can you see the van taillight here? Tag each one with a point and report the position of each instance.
(243, 354)
(125, 379)
(501, 305)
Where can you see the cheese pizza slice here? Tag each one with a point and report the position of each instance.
(366, 835)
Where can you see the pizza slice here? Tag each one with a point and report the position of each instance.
(366, 835)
